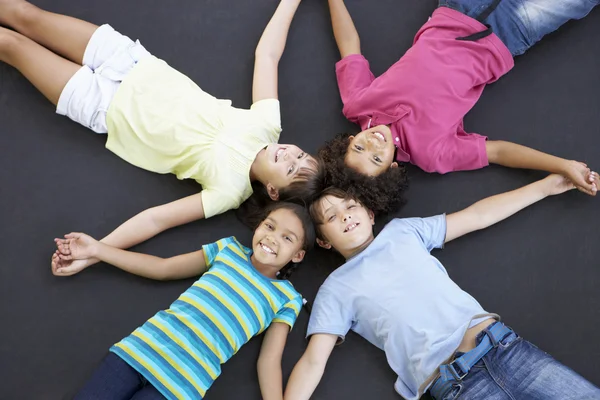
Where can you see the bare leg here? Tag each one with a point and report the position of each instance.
(48, 72)
(64, 35)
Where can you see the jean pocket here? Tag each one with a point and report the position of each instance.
(456, 390)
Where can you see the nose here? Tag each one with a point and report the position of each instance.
(347, 217)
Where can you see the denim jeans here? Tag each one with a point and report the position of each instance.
(515, 370)
(522, 23)
(114, 379)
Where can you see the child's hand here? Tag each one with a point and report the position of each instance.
(76, 246)
(582, 177)
(61, 267)
(557, 184)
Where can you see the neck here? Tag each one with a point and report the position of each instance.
(256, 170)
(353, 252)
(268, 271)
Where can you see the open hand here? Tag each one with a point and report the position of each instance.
(582, 177)
(76, 246)
(62, 267)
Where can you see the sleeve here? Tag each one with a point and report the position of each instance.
(289, 312)
(269, 115)
(461, 151)
(215, 202)
(431, 231)
(211, 250)
(330, 314)
(353, 74)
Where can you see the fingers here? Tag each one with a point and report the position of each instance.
(594, 179)
(73, 235)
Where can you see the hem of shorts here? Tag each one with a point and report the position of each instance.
(62, 105)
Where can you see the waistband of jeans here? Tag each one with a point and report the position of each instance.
(458, 369)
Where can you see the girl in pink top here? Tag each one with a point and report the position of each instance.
(414, 112)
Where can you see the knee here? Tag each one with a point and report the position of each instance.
(25, 14)
(10, 42)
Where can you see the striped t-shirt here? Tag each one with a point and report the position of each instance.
(180, 350)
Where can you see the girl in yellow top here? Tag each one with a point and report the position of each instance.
(158, 119)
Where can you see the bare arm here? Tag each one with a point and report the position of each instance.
(81, 246)
(497, 208)
(142, 227)
(308, 371)
(345, 33)
(270, 49)
(516, 156)
(269, 361)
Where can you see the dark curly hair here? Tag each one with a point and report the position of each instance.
(381, 194)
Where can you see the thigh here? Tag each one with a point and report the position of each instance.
(542, 377)
(113, 379)
(529, 373)
(148, 392)
(522, 23)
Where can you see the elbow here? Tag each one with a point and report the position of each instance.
(493, 149)
(266, 56)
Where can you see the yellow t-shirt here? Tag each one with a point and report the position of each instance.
(161, 121)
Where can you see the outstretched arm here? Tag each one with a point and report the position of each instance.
(517, 156)
(345, 33)
(269, 361)
(142, 227)
(270, 49)
(497, 208)
(80, 246)
(308, 371)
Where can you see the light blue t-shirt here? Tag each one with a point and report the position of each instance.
(400, 298)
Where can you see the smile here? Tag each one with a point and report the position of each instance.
(266, 248)
(351, 226)
(379, 136)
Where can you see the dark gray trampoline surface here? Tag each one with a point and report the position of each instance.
(539, 270)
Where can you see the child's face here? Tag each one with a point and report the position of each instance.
(346, 225)
(371, 152)
(282, 163)
(279, 239)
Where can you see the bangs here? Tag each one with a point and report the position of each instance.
(316, 208)
(306, 174)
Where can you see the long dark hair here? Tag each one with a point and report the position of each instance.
(307, 184)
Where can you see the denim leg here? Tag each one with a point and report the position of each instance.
(522, 23)
(114, 379)
(527, 372)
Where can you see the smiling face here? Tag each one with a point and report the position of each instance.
(371, 152)
(279, 165)
(344, 224)
(278, 240)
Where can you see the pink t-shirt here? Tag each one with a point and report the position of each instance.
(426, 94)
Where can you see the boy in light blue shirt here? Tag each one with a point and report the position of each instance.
(399, 297)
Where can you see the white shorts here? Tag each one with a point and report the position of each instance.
(108, 58)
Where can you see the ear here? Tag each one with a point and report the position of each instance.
(323, 244)
(350, 138)
(394, 165)
(273, 192)
(299, 256)
(371, 217)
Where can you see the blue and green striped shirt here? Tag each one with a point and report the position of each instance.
(180, 350)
